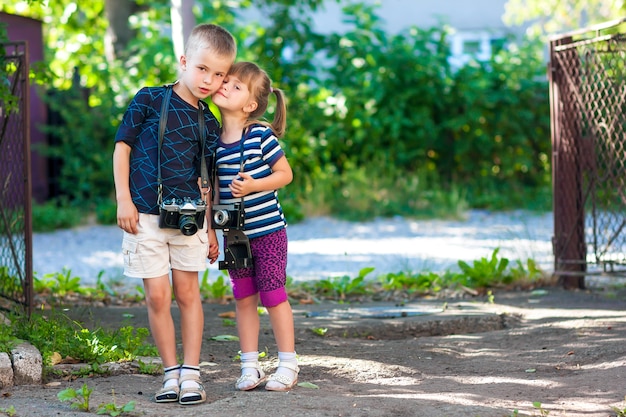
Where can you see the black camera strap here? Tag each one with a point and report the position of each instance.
(204, 176)
(242, 160)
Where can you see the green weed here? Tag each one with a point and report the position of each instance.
(59, 284)
(542, 412)
(486, 272)
(149, 368)
(342, 287)
(217, 290)
(620, 412)
(79, 399)
(320, 331)
(9, 411)
(114, 410)
(427, 282)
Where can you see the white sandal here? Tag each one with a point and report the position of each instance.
(169, 394)
(286, 382)
(199, 395)
(256, 377)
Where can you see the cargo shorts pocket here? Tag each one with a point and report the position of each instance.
(129, 250)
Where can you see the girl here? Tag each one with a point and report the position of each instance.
(252, 165)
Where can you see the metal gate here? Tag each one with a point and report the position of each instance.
(588, 112)
(16, 274)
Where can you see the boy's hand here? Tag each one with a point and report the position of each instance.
(127, 216)
(214, 247)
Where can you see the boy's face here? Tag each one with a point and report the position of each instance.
(203, 74)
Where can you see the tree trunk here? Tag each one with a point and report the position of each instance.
(119, 33)
(183, 21)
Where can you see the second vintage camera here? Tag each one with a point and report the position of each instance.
(184, 214)
(237, 252)
(228, 216)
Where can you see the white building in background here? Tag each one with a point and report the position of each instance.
(477, 24)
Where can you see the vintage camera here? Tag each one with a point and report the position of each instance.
(184, 214)
(237, 252)
(228, 216)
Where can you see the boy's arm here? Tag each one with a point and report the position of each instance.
(127, 214)
(214, 246)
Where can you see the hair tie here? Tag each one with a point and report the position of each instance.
(271, 89)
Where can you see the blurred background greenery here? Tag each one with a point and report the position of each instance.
(380, 124)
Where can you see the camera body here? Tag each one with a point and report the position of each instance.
(228, 216)
(231, 218)
(186, 214)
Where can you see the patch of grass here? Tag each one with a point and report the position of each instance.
(57, 214)
(218, 290)
(58, 337)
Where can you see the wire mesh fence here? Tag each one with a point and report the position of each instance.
(16, 276)
(588, 97)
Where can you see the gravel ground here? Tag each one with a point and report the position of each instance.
(324, 247)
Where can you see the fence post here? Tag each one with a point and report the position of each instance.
(569, 215)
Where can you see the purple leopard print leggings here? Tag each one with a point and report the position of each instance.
(269, 273)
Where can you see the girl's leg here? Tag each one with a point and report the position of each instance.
(281, 318)
(248, 326)
(248, 322)
(286, 375)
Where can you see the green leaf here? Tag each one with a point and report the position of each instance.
(308, 385)
(225, 338)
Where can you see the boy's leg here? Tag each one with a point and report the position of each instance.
(159, 302)
(187, 294)
(188, 256)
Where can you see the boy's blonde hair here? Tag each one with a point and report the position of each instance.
(212, 37)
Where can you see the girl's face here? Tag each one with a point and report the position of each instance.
(202, 75)
(233, 95)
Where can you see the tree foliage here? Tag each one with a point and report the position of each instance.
(549, 17)
(376, 121)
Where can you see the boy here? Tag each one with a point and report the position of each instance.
(148, 172)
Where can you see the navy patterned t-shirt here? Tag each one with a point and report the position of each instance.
(180, 151)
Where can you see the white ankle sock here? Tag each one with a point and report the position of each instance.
(189, 370)
(250, 357)
(174, 371)
(287, 357)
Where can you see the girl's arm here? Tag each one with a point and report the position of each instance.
(281, 175)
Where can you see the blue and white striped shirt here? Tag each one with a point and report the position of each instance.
(261, 150)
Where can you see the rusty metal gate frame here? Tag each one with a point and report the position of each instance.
(587, 74)
(16, 266)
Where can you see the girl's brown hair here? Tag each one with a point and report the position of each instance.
(260, 87)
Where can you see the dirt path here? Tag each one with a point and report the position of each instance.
(564, 350)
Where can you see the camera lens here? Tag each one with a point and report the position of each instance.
(221, 217)
(187, 225)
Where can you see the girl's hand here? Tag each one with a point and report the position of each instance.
(242, 185)
(214, 247)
